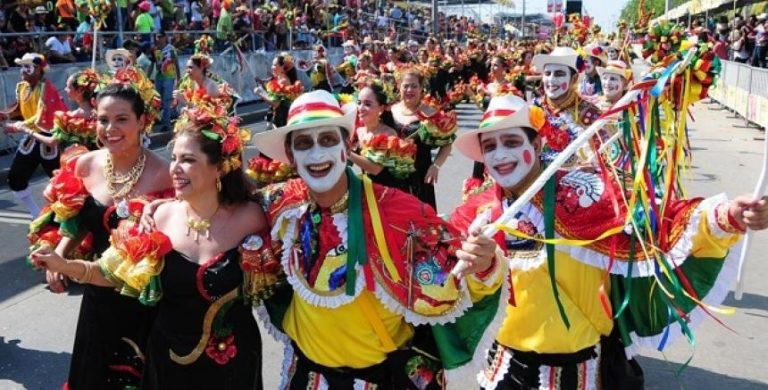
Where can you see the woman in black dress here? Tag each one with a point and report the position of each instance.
(91, 193)
(280, 91)
(428, 128)
(381, 153)
(201, 266)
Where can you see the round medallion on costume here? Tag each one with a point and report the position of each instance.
(253, 242)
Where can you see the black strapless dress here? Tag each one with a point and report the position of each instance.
(190, 291)
(425, 192)
(112, 329)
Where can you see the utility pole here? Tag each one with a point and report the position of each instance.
(666, 9)
(523, 19)
(435, 23)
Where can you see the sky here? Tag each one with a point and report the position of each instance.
(605, 12)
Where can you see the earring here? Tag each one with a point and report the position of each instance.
(218, 184)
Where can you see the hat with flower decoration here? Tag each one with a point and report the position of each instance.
(33, 59)
(310, 110)
(504, 112)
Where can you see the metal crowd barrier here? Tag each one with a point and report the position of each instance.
(743, 89)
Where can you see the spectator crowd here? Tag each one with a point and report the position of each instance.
(62, 29)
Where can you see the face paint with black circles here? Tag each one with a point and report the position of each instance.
(508, 155)
(320, 156)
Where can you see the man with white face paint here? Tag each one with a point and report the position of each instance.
(565, 109)
(118, 59)
(558, 329)
(364, 264)
(37, 99)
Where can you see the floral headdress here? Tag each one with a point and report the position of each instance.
(137, 80)
(287, 60)
(387, 88)
(203, 50)
(214, 123)
(88, 80)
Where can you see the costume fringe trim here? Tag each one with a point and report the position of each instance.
(262, 316)
(715, 297)
(499, 370)
(413, 318)
(477, 365)
(291, 219)
(642, 267)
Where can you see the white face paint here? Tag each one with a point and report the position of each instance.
(27, 69)
(118, 62)
(613, 54)
(320, 156)
(613, 85)
(556, 79)
(508, 155)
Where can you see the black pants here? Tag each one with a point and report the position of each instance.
(25, 165)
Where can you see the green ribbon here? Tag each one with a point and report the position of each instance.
(356, 251)
(549, 233)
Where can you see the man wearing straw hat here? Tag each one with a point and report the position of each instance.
(565, 109)
(364, 263)
(36, 102)
(566, 291)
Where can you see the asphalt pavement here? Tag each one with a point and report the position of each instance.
(37, 327)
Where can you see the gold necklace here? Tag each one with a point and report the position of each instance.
(125, 182)
(200, 224)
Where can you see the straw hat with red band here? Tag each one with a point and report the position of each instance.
(616, 67)
(310, 110)
(597, 51)
(504, 112)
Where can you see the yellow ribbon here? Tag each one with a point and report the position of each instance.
(378, 231)
(559, 241)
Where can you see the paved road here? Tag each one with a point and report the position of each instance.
(37, 327)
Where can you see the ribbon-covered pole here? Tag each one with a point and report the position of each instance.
(508, 216)
(759, 191)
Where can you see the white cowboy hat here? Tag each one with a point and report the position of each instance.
(310, 110)
(561, 55)
(504, 112)
(616, 67)
(32, 59)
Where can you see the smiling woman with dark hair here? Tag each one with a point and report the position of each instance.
(198, 267)
(89, 197)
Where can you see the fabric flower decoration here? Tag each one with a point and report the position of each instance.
(221, 350)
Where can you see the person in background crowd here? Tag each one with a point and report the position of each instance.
(167, 75)
(37, 100)
(59, 48)
(144, 23)
(67, 11)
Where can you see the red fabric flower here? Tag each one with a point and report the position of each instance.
(221, 350)
(230, 145)
(558, 140)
